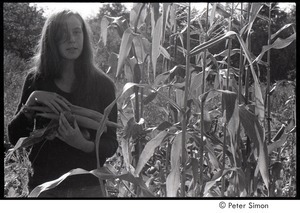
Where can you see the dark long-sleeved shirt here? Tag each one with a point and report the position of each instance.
(51, 159)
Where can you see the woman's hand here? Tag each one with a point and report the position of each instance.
(73, 136)
(54, 101)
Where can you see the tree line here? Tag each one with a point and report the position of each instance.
(22, 24)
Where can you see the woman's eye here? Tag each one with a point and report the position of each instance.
(63, 36)
(77, 32)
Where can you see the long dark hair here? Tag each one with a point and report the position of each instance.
(47, 62)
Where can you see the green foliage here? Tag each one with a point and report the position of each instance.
(14, 76)
(283, 60)
(22, 25)
(17, 170)
(114, 10)
(230, 153)
(102, 51)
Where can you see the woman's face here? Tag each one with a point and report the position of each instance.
(71, 43)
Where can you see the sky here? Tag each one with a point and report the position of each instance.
(86, 9)
(91, 9)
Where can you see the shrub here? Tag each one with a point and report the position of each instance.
(14, 76)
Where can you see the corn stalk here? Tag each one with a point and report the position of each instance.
(241, 68)
(184, 119)
(247, 68)
(201, 151)
(268, 78)
(247, 74)
(227, 88)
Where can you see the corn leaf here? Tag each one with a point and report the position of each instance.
(212, 156)
(154, 16)
(164, 52)
(103, 26)
(52, 184)
(232, 118)
(277, 143)
(107, 111)
(113, 63)
(139, 49)
(281, 29)
(124, 48)
(213, 13)
(173, 179)
(149, 98)
(255, 8)
(134, 12)
(211, 43)
(101, 173)
(164, 125)
(125, 153)
(255, 132)
(195, 169)
(170, 101)
(249, 120)
(225, 52)
(127, 86)
(161, 79)
(36, 136)
(263, 162)
(217, 177)
(173, 17)
(279, 133)
(278, 44)
(196, 84)
(166, 9)
(179, 97)
(182, 4)
(141, 46)
(149, 150)
(221, 10)
(119, 22)
(259, 102)
(156, 38)
(182, 50)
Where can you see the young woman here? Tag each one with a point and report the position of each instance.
(64, 73)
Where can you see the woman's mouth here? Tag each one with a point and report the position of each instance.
(71, 50)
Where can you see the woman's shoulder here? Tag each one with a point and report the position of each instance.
(30, 78)
(33, 79)
(32, 75)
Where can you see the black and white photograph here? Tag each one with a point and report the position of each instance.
(150, 100)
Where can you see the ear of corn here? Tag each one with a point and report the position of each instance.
(92, 114)
(84, 114)
(40, 108)
(81, 120)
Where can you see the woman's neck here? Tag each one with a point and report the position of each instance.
(68, 71)
(67, 78)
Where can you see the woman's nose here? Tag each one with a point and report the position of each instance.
(71, 37)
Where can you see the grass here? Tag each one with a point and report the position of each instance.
(17, 171)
